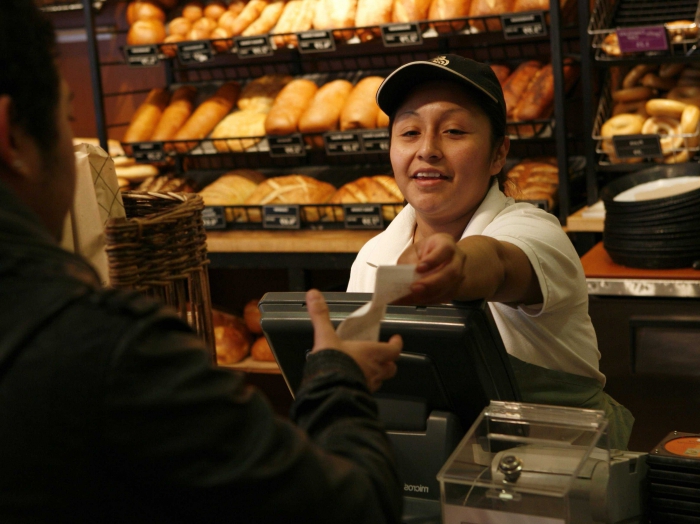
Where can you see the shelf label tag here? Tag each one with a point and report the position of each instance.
(523, 25)
(281, 217)
(214, 217)
(401, 34)
(253, 46)
(148, 152)
(142, 55)
(196, 52)
(315, 41)
(376, 141)
(288, 145)
(367, 216)
(342, 143)
(641, 39)
(637, 146)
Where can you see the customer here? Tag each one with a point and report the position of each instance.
(469, 241)
(109, 409)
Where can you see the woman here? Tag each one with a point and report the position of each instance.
(469, 241)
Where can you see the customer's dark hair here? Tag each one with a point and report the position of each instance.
(28, 72)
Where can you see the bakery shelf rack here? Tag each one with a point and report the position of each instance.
(60, 6)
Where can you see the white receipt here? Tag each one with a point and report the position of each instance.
(392, 283)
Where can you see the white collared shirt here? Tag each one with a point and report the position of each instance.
(557, 334)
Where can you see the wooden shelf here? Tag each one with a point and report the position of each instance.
(301, 241)
(248, 365)
(579, 223)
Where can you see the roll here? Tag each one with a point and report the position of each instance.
(324, 110)
(147, 116)
(360, 109)
(176, 114)
(290, 104)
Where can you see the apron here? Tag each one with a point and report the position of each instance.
(539, 385)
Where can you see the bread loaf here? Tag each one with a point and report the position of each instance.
(530, 5)
(243, 123)
(259, 94)
(360, 109)
(229, 189)
(208, 114)
(335, 14)
(247, 16)
(215, 9)
(538, 97)
(372, 13)
(324, 110)
(261, 351)
(291, 189)
(517, 82)
(536, 179)
(267, 19)
(143, 10)
(176, 114)
(193, 11)
(147, 116)
(251, 315)
(236, 6)
(382, 119)
(447, 10)
(144, 32)
(362, 191)
(179, 26)
(490, 8)
(290, 104)
(289, 15)
(231, 337)
(389, 183)
(137, 172)
(502, 72)
(410, 10)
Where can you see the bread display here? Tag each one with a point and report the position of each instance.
(447, 10)
(147, 116)
(324, 110)
(230, 189)
(244, 123)
(266, 20)
(517, 82)
(372, 13)
(360, 108)
(534, 179)
(259, 94)
(290, 104)
(176, 114)
(231, 337)
(247, 16)
(261, 351)
(251, 315)
(297, 16)
(336, 14)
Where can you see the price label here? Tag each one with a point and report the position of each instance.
(363, 216)
(291, 145)
(315, 41)
(523, 25)
(401, 34)
(637, 146)
(214, 217)
(148, 152)
(640, 39)
(253, 46)
(343, 143)
(142, 55)
(376, 141)
(281, 217)
(195, 52)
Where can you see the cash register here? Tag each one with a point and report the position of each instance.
(452, 365)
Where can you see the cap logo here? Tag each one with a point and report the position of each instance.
(441, 60)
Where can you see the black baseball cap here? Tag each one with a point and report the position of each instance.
(472, 74)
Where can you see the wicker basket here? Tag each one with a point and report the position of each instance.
(160, 249)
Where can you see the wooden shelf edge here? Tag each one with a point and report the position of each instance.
(248, 365)
(578, 223)
(300, 241)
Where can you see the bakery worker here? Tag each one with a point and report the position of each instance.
(470, 241)
(109, 409)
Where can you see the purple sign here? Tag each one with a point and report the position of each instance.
(641, 39)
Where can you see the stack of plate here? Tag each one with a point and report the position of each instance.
(652, 218)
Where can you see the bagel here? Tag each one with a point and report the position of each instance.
(681, 30)
(623, 124)
(665, 107)
(636, 74)
(633, 93)
(656, 82)
(671, 70)
(611, 46)
(677, 158)
(685, 94)
(669, 129)
(690, 118)
(634, 108)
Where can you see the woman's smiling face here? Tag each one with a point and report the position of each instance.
(442, 153)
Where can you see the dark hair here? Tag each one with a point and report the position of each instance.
(498, 125)
(28, 72)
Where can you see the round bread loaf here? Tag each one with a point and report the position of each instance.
(261, 350)
(231, 337)
(251, 315)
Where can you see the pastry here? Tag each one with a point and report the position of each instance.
(244, 123)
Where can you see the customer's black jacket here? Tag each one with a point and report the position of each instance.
(110, 412)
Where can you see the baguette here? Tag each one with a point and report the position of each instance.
(260, 94)
(147, 116)
(267, 19)
(290, 104)
(360, 109)
(447, 10)
(301, 18)
(324, 110)
(243, 128)
(372, 13)
(517, 82)
(334, 14)
(208, 114)
(410, 10)
(176, 114)
(250, 14)
(289, 15)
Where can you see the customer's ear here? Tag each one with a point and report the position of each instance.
(12, 150)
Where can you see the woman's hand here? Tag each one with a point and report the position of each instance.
(376, 359)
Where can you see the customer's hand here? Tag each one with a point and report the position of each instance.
(376, 359)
